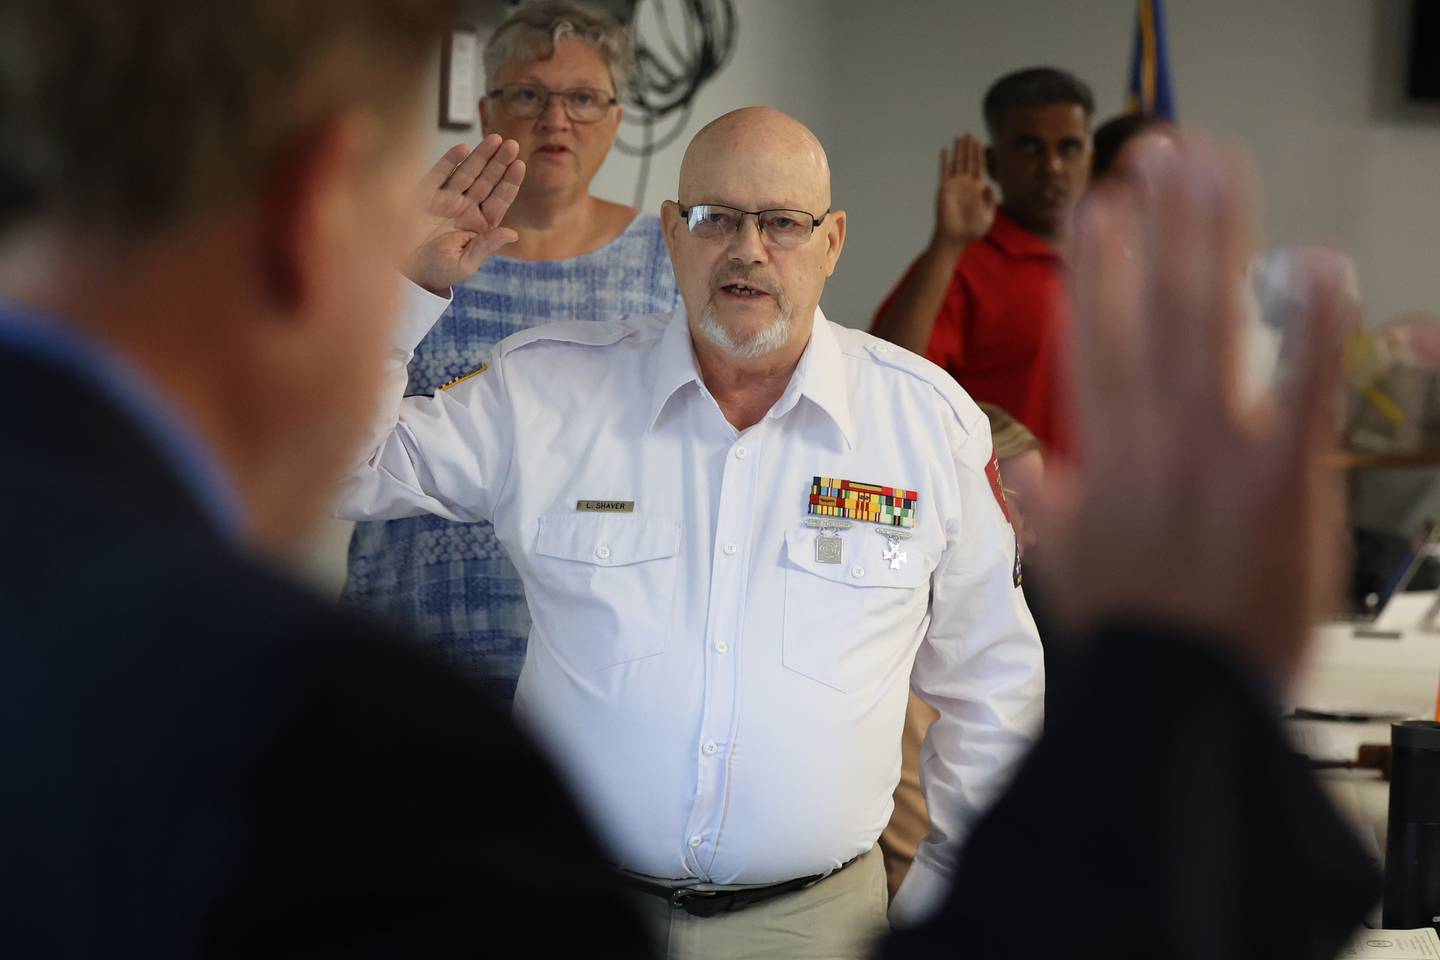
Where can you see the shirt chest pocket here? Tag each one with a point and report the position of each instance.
(606, 585)
(848, 624)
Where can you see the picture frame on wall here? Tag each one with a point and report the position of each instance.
(459, 58)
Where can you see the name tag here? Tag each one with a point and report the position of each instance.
(605, 506)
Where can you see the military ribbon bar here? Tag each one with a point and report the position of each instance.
(865, 502)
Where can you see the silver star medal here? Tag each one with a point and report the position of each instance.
(892, 552)
(829, 548)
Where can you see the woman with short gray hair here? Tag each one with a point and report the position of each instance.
(531, 33)
(555, 72)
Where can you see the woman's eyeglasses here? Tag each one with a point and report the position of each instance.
(526, 101)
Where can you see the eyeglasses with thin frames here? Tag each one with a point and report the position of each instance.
(782, 227)
(525, 101)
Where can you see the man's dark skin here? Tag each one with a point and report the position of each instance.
(1040, 159)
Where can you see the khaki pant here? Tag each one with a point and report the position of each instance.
(911, 821)
(840, 918)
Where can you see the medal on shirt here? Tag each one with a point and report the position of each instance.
(892, 509)
(829, 548)
(892, 554)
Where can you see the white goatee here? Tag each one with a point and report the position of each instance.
(768, 339)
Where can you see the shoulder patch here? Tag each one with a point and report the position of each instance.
(997, 486)
(461, 379)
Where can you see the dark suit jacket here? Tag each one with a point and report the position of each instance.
(1162, 815)
(197, 758)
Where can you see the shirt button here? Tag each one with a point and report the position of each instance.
(721, 646)
(696, 841)
(857, 571)
(603, 552)
(882, 348)
(730, 549)
(741, 453)
(710, 748)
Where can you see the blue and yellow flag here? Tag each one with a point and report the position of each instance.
(1149, 87)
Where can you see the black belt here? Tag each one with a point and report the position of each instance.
(707, 903)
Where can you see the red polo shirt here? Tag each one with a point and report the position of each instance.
(1000, 329)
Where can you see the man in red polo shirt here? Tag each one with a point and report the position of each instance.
(987, 299)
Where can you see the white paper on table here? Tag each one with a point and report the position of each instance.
(1318, 740)
(1421, 944)
(1331, 740)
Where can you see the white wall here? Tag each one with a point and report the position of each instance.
(1315, 88)
(776, 62)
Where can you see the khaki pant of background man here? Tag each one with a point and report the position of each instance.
(910, 821)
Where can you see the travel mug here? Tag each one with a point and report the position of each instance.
(1412, 849)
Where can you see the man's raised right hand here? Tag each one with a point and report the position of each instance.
(965, 205)
(464, 197)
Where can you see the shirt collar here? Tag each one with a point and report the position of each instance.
(27, 331)
(819, 376)
(674, 364)
(1016, 241)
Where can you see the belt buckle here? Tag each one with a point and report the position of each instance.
(700, 903)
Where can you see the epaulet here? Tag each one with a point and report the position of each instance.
(871, 348)
(587, 333)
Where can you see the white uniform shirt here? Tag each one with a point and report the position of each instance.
(727, 707)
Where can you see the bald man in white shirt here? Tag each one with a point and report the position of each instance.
(745, 533)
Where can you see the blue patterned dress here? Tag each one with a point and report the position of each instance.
(451, 582)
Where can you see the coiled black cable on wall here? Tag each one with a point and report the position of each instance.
(671, 69)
